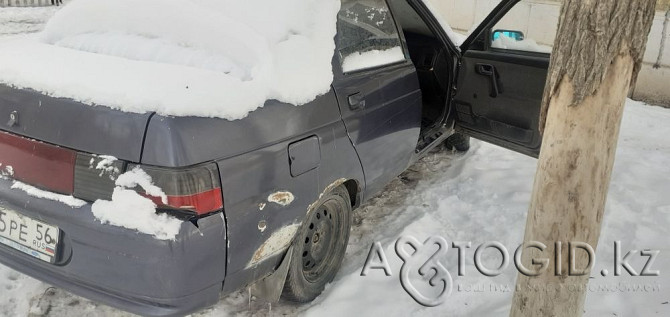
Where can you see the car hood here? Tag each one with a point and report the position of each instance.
(66, 123)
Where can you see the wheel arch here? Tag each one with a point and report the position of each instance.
(355, 192)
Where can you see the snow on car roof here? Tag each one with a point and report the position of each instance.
(207, 58)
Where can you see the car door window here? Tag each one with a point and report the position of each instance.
(367, 35)
(528, 27)
(459, 18)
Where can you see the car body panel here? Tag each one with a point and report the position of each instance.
(263, 221)
(64, 122)
(186, 141)
(120, 266)
(386, 130)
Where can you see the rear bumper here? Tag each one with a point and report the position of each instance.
(121, 267)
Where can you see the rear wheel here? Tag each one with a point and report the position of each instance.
(459, 142)
(319, 247)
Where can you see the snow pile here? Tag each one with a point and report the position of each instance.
(106, 166)
(6, 171)
(43, 194)
(529, 45)
(129, 209)
(372, 58)
(18, 291)
(21, 20)
(208, 58)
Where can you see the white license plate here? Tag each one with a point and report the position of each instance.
(28, 235)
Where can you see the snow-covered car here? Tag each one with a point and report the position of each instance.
(263, 200)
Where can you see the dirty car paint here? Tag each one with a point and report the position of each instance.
(282, 198)
(278, 242)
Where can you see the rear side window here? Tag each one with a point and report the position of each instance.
(367, 35)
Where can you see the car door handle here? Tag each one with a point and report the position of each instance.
(490, 71)
(356, 101)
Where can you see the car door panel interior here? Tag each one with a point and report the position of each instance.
(499, 97)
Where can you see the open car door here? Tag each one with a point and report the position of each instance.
(500, 84)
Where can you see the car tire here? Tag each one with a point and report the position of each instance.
(319, 247)
(459, 142)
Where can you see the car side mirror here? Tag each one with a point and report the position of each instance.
(516, 35)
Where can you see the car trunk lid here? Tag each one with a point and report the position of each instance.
(69, 124)
(41, 136)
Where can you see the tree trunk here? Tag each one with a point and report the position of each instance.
(596, 56)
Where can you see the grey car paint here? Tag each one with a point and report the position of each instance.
(273, 166)
(119, 266)
(385, 123)
(71, 124)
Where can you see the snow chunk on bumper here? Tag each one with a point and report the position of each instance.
(128, 209)
(43, 194)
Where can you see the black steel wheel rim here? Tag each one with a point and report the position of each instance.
(320, 240)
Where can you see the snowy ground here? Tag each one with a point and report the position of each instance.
(480, 196)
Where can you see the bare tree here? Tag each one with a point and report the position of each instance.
(596, 57)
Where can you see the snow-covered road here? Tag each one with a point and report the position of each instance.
(479, 196)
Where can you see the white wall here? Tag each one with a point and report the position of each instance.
(538, 19)
(653, 84)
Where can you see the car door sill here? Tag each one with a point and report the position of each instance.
(432, 139)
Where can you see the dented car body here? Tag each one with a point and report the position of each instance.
(264, 173)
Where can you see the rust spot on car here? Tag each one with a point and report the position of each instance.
(262, 225)
(328, 189)
(278, 242)
(282, 198)
(281, 239)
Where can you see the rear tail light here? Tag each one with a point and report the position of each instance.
(37, 163)
(194, 190)
(91, 183)
(191, 192)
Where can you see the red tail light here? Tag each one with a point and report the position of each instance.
(194, 190)
(37, 163)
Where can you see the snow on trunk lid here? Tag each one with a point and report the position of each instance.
(206, 58)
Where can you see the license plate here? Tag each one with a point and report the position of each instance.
(28, 235)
